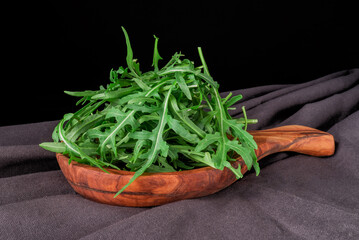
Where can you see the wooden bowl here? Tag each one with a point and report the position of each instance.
(152, 189)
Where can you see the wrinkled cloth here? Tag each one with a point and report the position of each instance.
(295, 196)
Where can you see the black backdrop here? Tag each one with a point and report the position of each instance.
(53, 46)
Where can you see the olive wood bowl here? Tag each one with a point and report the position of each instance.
(152, 189)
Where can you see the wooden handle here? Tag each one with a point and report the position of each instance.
(293, 138)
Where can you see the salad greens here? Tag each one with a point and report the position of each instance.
(165, 120)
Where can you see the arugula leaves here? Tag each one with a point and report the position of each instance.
(168, 119)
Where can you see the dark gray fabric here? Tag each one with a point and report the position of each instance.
(294, 197)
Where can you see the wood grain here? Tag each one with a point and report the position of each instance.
(152, 189)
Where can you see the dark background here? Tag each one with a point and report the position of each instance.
(53, 46)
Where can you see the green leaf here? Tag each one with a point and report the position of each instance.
(82, 126)
(236, 171)
(137, 150)
(182, 84)
(220, 157)
(122, 119)
(126, 99)
(57, 147)
(181, 131)
(115, 94)
(143, 108)
(141, 135)
(255, 163)
(191, 126)
(141, 84)
(242, 135)
(95, 133)
(207, 159)
(130, 61)
(207, 140)
(242, 151)
(164, 164)
(233, 100)
(141, 99)
(87, 93)
(89, 148)
(73, 149)
(156, 55)
(55, 134)
(227, 97)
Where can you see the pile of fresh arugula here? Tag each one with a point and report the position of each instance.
(165, 120)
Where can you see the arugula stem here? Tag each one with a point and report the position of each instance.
(203, 61)
(245, 118)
